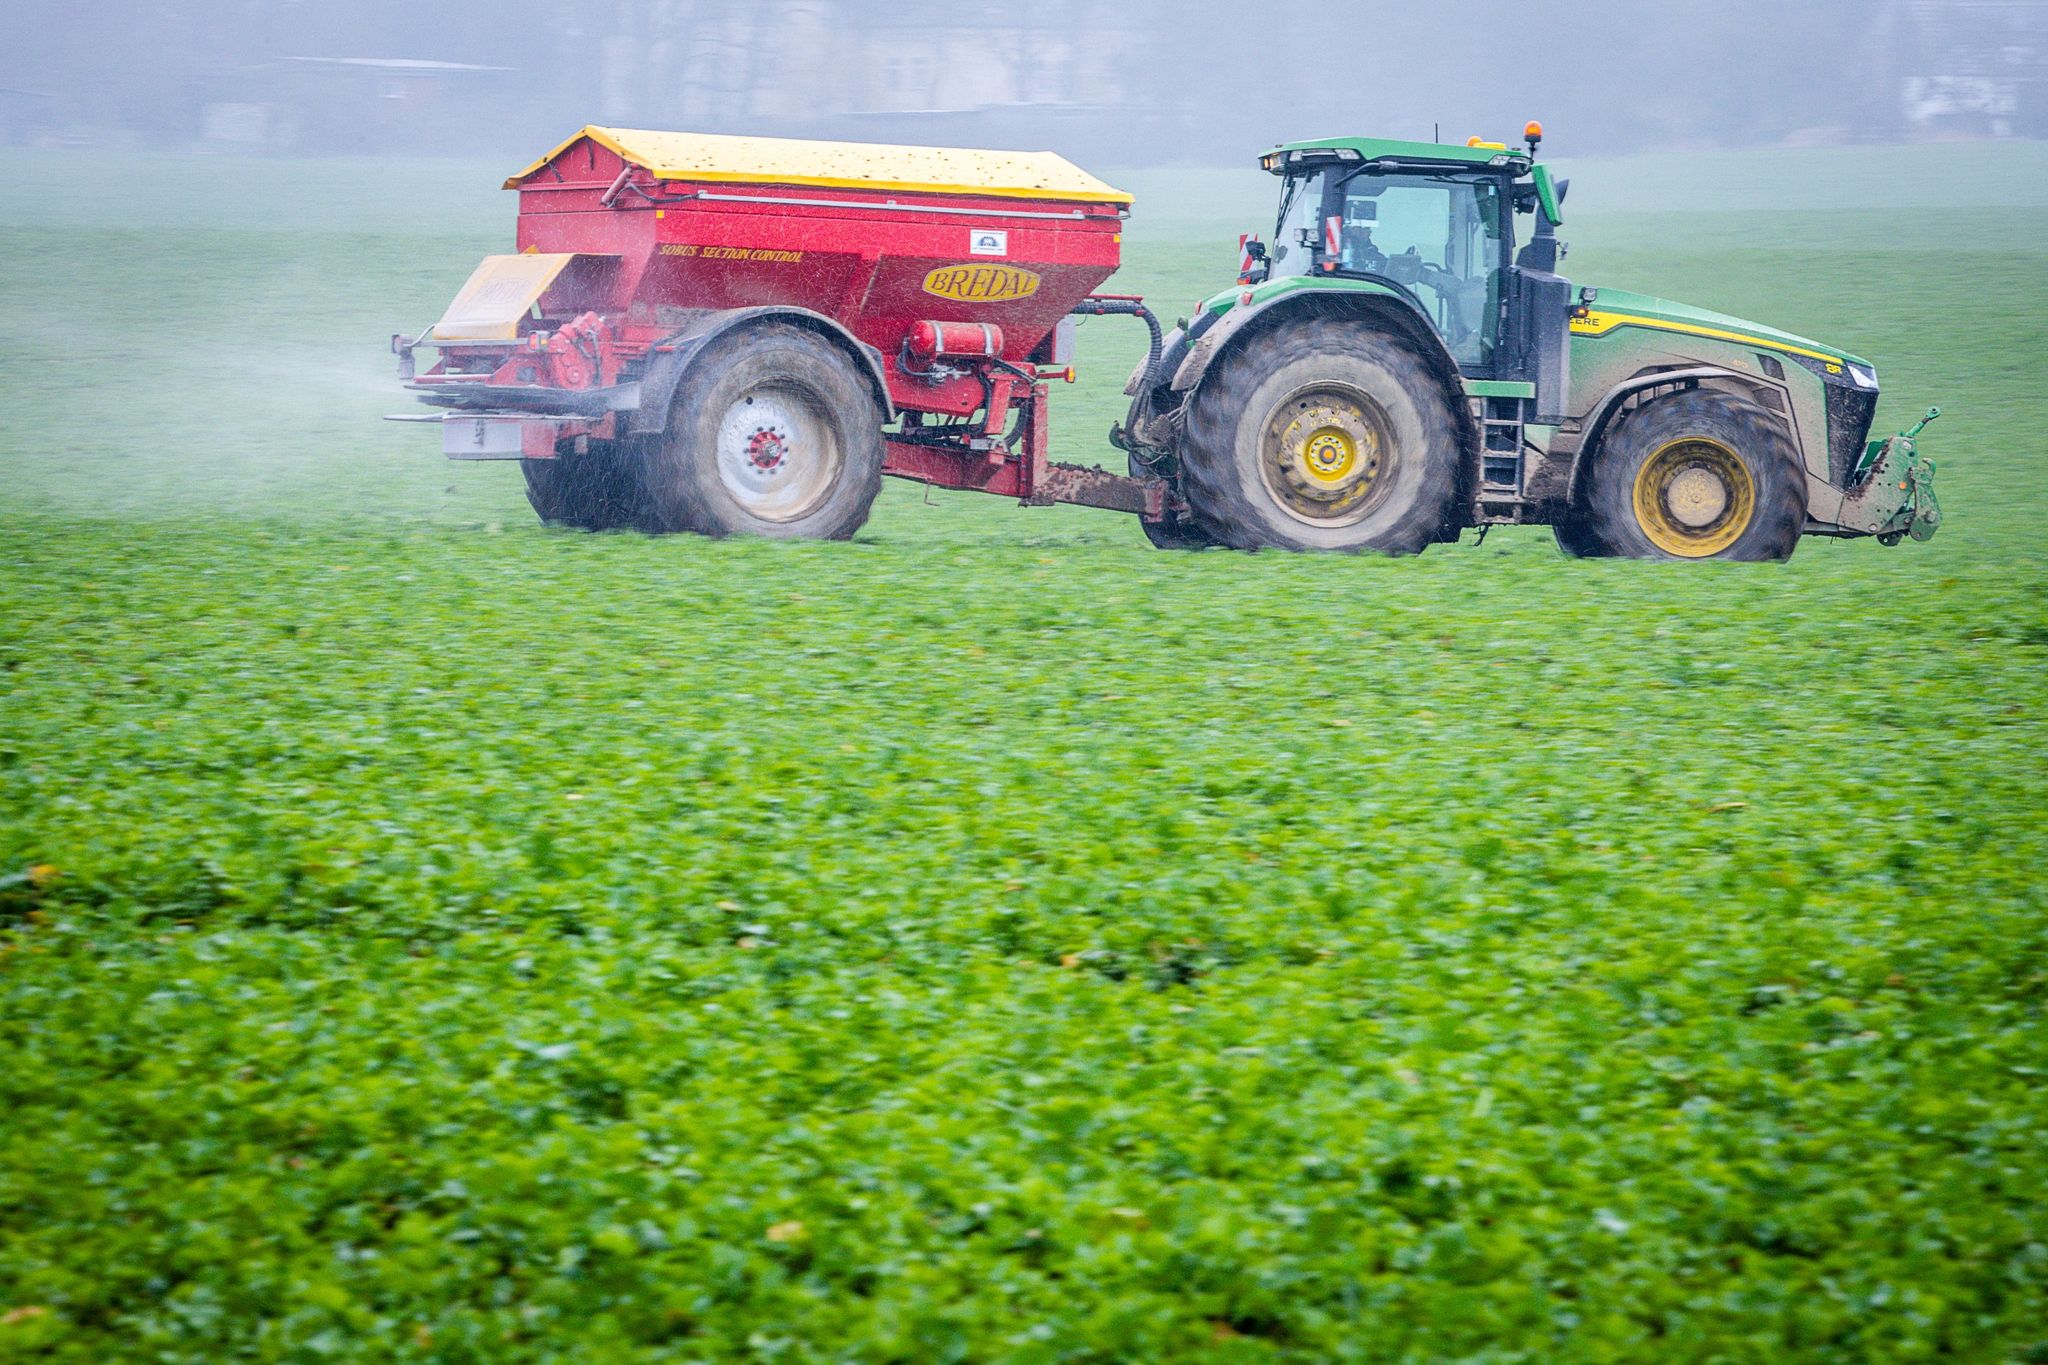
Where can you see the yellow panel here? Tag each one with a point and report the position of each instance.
(845, 165)
(1595, 324)
(497, 296)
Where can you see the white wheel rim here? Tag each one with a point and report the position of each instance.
(778, 452)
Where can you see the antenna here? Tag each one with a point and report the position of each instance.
(1436, 133)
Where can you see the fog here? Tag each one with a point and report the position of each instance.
(1130, 83)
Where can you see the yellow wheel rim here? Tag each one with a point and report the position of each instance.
(1694, 498)
(1325, 454)
(1329, 455)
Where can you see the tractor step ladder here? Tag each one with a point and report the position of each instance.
(1500, 448)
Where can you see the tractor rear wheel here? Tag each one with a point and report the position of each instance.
(774, 433)
(1697, 475)
(596, 490)
(1327, 435)
(1176, 532)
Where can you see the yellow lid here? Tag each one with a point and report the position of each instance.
(498, 295)
(845, 165)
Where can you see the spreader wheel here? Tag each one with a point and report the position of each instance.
(1326, 436)
(774, 433)
(596, 490)
(1697, 475)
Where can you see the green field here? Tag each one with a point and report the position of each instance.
(425, 936)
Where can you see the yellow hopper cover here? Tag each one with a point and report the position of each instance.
(845, 165)
(498, 295)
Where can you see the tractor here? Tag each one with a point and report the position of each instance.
(1392, 369)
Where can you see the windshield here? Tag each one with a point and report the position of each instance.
(1438, 237)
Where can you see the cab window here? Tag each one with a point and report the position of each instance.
(1439, 239)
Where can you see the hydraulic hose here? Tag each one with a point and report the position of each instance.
(1129, 308)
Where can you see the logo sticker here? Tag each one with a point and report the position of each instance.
(986, 242)
(732, 253)
(981, 283)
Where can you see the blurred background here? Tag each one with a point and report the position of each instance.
(1130, 83)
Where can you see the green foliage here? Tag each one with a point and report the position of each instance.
(424, 936)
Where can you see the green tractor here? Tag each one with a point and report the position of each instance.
(1391, 369)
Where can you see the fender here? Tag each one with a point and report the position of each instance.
(1601, 415)
(1212, 341)
(670, 361)
(1388, 302)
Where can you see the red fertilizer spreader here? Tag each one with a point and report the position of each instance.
(742, 335)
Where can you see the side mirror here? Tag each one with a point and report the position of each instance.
(1256, 268)
(1527, 200)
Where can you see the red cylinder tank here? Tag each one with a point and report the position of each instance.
(976, 340)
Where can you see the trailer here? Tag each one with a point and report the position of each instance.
(732, 335)
(743, 335)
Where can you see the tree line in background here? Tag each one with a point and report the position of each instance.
(1136, 82)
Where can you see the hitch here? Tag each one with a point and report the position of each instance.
(1900, 463)
(1925, 422)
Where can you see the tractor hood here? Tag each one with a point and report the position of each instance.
(1616, 308)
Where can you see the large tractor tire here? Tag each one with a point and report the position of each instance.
(1696, 475)
(774, 433)
(1329, 435)
(1176, 532)
(597, 490)
(1575, 537)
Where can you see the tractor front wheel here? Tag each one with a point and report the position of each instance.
(1575, 537)
(1327, 435)
(774, 433)
(1697, 475)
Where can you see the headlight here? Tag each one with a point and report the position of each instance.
(1865, 377)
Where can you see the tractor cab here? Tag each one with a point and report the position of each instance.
(1438, 227)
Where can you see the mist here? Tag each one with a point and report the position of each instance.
(1131, 84)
